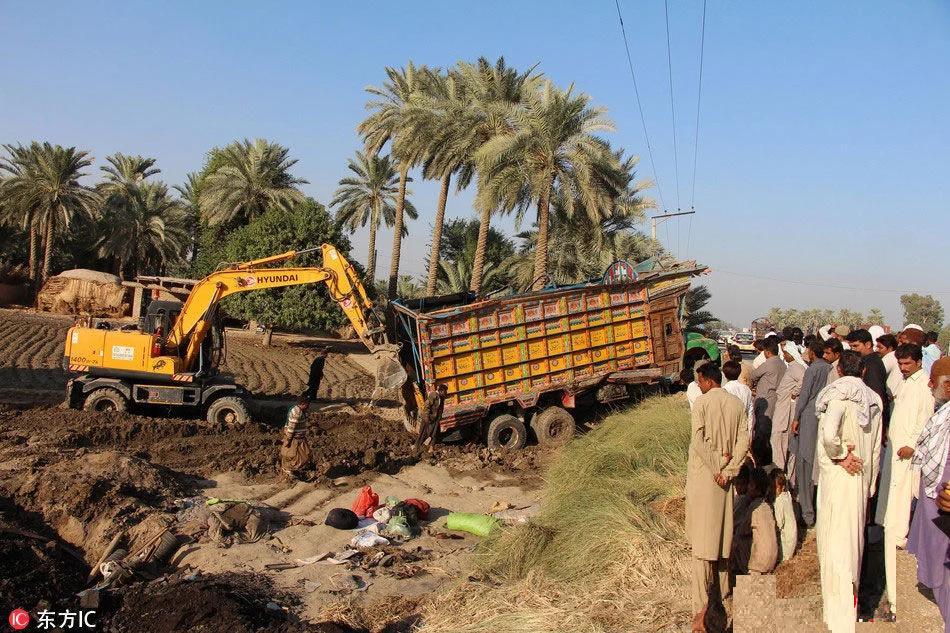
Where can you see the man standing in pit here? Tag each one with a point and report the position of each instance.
(295, 455)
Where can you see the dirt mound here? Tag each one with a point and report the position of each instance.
(90, 497)
(35, 566)
(342, 443)
(346, 444)
(229, 603)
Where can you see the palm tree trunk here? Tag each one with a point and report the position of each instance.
(371, 258)
(541, 248)
(34, 253)
(48, 246)
(437, 236)
(397, 231)
(478, 265)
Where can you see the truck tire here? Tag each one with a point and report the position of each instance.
(554, 426)
(229, 411)
(105, 399)
(506, 433)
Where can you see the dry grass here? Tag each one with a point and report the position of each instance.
(608, 551)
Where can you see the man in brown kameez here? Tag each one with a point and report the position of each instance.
(716, 451)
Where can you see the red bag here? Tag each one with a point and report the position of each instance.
(366, 502)
(421, 506)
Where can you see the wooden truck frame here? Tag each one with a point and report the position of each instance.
(526, 361)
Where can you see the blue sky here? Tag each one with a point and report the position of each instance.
(823, 146)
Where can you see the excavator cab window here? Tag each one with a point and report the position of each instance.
(160, 316)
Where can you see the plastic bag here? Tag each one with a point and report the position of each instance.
(477, 524)
(366, 502)
(398, 527)
(365, 538)
(421, 506)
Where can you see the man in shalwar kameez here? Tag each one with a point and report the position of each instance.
(929, 538)
(913, 406)
(848, 454)
(717, 449)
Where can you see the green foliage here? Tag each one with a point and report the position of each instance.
(142, 229)
(697, 317)
(457, 254)
(924, 310)
(281, 229)
(369, 197)
(812, 319)
(943, 341)
(245, 179)
(42, 194)
(580, 249)
(552, 155)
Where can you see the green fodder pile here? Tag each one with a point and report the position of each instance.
(608, 551)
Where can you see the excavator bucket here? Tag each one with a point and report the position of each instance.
(390, 373)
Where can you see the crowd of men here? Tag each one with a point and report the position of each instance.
(844, 432)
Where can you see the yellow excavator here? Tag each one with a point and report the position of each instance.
(172, 358)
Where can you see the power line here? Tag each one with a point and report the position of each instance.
(636, 91)
(669, 66)
(823, 285)
(699, 97)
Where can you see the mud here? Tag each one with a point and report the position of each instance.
(228, 603)
(36, 567)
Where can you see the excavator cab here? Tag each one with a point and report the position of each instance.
(159, 317)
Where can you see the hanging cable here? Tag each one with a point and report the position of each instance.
(669, 66)
(699, 97)
(636, 91)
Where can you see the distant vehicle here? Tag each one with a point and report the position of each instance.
(744, 341)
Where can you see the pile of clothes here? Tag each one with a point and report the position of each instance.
(393, 520)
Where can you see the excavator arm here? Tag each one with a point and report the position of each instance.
(345, 288)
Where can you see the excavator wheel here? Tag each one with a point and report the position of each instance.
(228, 412)
(105, 399)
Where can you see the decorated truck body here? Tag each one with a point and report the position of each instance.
(527, 361)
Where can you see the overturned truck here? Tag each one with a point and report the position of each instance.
(528, 361)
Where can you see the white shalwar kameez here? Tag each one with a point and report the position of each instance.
(913, 406)
(842, 501)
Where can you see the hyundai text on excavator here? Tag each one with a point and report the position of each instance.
(172, 359)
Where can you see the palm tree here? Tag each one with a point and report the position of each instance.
(697, 317)
(43, 186)
(387, 123)
(493, 93)
(253, 177)
(459, 246)
(580, 249)
(432, 118)
(13, 215)
(190, 199)
(552, 151)
(370, 196)
(146, 233)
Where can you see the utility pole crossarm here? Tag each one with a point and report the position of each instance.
(663, 217)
